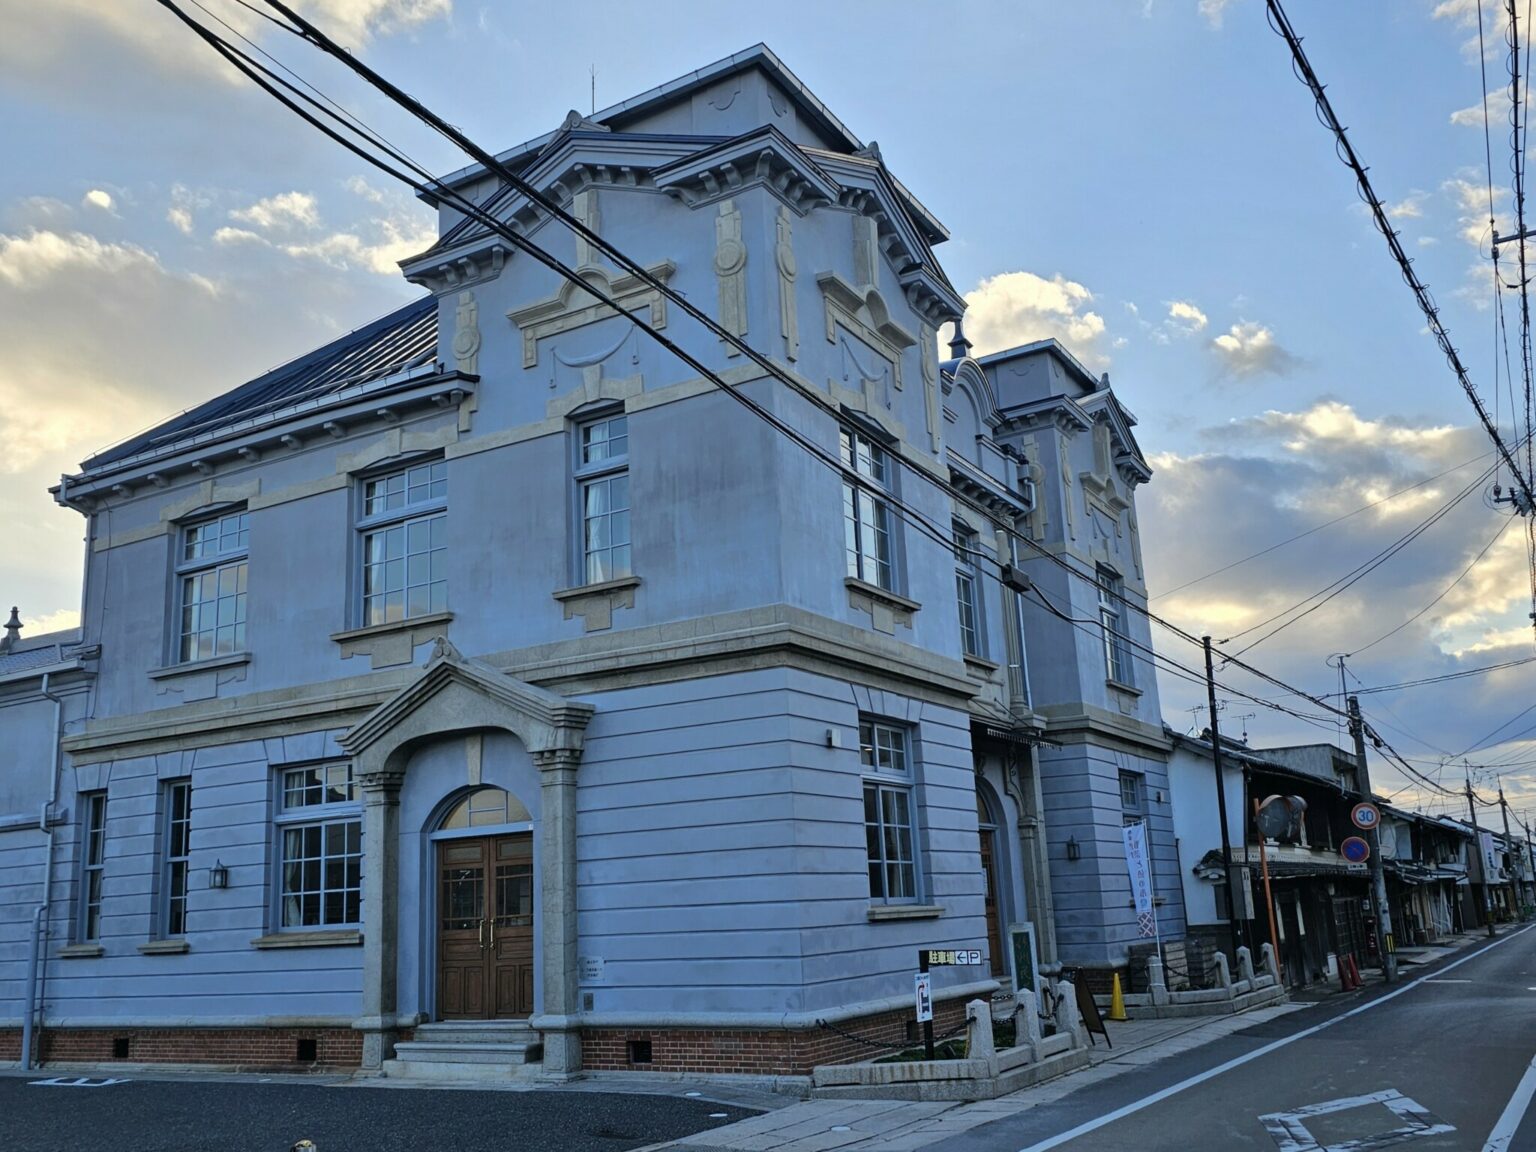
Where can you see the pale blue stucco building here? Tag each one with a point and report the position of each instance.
(490, 677)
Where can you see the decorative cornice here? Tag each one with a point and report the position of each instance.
(762, 158)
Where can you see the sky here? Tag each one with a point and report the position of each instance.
(1143, 179)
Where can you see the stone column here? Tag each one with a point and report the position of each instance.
(381, 914)
(557, 906)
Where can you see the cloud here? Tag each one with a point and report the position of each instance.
(1214, 11)
(1186, 317)
(1248, 349)
(1251, 484)
(227, 236)
(1410, 206)
(96, 198)
(284, 212)
(1015, 308)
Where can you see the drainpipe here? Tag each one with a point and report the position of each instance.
(40, 914)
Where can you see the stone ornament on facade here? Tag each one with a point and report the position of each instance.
(928, 341)
(466, 334)
(730, 270)
(784, 257)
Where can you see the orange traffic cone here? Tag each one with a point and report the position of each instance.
(1117, 1002)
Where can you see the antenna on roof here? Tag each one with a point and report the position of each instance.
(593, 70)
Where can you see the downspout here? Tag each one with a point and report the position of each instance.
(40, 914)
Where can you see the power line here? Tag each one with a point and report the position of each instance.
(1444, 593)
(1304, 72)
(1458, 675)
(1320, 527)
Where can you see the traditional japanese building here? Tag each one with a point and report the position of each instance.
(490, 686)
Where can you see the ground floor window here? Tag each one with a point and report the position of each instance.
(320, 849)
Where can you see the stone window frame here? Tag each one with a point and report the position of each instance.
(425, 509)
(879, 472)
(879, 781)
(320, 813)
(587, 474)
(1118, 665)
(93, 865)
(175, 860)
(192, 562)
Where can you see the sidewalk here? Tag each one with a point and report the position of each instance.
(896, 1126)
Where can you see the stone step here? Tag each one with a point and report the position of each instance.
(477, 1032)
(443, 1070)
(469, 1052)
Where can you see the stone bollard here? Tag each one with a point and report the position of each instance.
(1245, 968)
(1223, 974)
(1271, 965)
(1159, 986)
(1026, 1022)
(1068, 1019)
(978, 1035)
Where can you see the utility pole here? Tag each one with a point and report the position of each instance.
(1508, 846)
(1221, 802)
(1477, 850)
(1530, 856)
(1380, 909)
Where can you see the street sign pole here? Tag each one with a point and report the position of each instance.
(1380, 910)
(922, 966)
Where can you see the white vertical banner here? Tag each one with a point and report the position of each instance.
(1140, 869)
(1490, 858)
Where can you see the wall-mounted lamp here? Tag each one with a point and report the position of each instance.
(1074, 852)
(218, 875)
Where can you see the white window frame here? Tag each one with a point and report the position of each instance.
(211, 547)
(316, 807)
(1117, 651)
(1133, 808)
(600, 554)
(867, 518)
(175, 859)
(887, 775)
(421, 510)
(968, 590)
(93, 861)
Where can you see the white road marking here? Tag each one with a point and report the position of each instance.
(1437, 980)
(1292, 1135)
(1238, 1061)
(76, 1082)
(1509, 1120)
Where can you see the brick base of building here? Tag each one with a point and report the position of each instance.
(754, 1052)
(266, 1049)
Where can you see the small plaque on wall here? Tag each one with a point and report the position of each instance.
(589, 969)
(1023, 961)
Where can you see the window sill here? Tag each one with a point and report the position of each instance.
(81, 951)
(326, 939)
(904, 912)
(234, 659)
(883, 595)
(599, 589)
(392, 627)
(1117, 686)
(163, 947)
(981, 664)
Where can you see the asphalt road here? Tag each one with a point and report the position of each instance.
(1427, 1068)
(184, 1115)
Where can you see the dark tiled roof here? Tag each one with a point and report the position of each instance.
(39, 657)
(404, 339)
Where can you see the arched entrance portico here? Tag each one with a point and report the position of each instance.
(454, 696)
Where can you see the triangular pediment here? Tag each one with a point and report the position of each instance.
(455, 694)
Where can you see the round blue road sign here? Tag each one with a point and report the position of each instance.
(1355, 850)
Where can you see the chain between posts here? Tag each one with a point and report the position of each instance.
(828, 1026)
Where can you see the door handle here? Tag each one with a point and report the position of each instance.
(482, 935)
(493, 931)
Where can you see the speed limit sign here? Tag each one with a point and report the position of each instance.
(1365, 815)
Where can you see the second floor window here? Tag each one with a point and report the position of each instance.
(602, 481)
(1117, 654)
(966, 544)
(176, 857)
(212, 569)
(405, 543)
(1132, 799)
(867, 517)
(93, 856)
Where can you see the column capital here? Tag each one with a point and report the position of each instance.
(377, 781)
(557, 759)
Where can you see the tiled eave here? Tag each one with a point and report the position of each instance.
(376, 402)
(991, 495)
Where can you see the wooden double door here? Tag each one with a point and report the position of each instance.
(485, 928)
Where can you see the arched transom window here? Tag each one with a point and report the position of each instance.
(485, 808)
